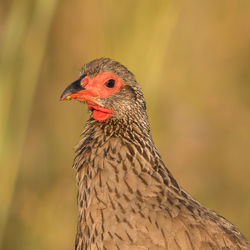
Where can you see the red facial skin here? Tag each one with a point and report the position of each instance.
(95, 87)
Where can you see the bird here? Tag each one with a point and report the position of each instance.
(127, 198)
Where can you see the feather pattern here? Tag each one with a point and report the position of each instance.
(128, 199)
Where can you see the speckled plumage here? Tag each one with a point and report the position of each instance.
(127, 198)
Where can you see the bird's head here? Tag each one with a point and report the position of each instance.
(108, 88)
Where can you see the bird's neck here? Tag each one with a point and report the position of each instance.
(121, 147)
(99, 135)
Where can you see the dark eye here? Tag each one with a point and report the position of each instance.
(110, 83)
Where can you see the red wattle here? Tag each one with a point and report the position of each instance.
(100, 113)
(100, 116)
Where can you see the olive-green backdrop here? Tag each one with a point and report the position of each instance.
(192, 59)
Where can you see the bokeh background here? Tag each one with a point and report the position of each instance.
(192, 59)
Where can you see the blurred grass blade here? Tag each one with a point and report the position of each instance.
(31, 51)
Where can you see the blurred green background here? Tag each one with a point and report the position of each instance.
(192, 59)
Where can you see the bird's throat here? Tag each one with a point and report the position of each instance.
(100, 113)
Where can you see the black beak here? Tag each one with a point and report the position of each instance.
(74, 87)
